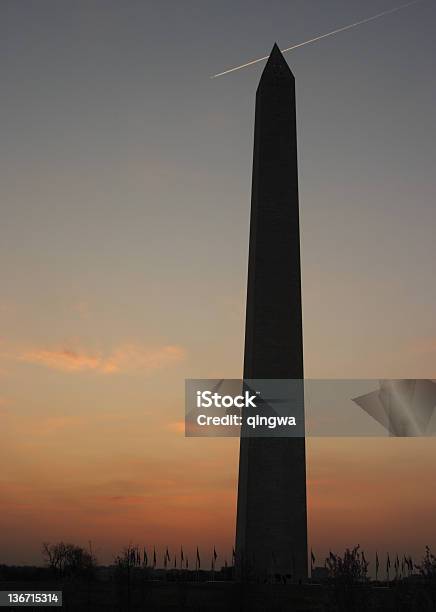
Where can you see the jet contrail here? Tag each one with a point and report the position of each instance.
(307, 42)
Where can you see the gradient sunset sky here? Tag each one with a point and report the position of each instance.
(125, 176)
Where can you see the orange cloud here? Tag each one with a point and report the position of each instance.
(177, 426)
(131, 500)
(123, 359)
(133, 357)
(54, 425)
(64, 359)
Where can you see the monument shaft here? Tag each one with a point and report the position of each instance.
(271, 535)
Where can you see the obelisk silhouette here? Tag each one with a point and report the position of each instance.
(271, 532)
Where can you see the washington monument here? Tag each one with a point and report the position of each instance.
(271, 532)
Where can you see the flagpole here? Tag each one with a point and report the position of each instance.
(214, 558)
(312, 562)
(198, 564)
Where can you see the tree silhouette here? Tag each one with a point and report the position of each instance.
(66, 559)
(427, 567)
(350, 568)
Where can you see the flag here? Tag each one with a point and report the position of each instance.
(198, 559)
(166, 558)
(154, 556)
(396, 565)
